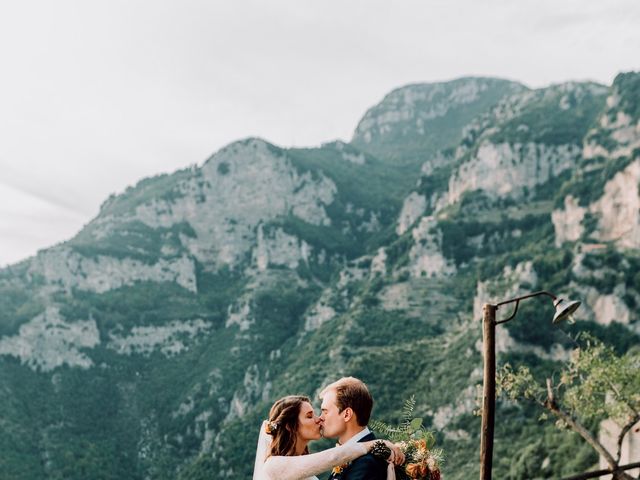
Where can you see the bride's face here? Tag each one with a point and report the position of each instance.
(309, 423)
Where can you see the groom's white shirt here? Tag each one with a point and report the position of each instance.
(358, 436)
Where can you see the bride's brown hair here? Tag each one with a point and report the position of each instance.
(283, 425)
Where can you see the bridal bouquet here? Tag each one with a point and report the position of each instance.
(422, 460)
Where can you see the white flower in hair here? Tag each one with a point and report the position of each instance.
(271, 427)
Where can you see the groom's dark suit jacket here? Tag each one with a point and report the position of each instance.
(366, 467)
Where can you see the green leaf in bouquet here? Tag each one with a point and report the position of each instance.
(416, 423)
(407, 412)
(430, 439)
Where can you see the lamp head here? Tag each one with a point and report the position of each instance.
(564, 309)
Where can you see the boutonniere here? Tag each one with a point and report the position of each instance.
(339, 469)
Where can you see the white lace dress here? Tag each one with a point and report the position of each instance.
(304, 467)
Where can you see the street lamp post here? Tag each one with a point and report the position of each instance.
(563, 310)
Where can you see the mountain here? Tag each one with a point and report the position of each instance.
(152, 343)
(418, 120)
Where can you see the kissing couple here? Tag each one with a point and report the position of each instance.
(283, 452)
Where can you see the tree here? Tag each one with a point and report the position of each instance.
(595, 384)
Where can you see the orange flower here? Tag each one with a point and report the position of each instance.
(339, 469)
(413, 470)
(417, 470)
(422, 444)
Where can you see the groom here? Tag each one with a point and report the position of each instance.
(346, 408)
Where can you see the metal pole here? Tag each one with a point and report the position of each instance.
(599, 473)
(489, 389)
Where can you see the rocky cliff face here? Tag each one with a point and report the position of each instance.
(512, 150)
(414, 121)
(618, 210)
(601, 207)
(161, 333)
(48, 341)
(61, 268)
(510, 170)
(611, 151)
(406, 110)
(244, 185)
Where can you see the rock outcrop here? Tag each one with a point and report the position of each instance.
(49, 341)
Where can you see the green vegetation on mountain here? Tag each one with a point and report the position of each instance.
(133, 240)
(362, 179)
(588, 185)
(160, 187)
(627, 85)
(555, 116)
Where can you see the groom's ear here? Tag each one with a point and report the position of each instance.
(347, 414)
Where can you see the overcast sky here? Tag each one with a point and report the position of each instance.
(95, 95)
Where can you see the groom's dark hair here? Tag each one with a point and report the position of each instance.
(352, 393)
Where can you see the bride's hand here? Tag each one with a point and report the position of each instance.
(386, 450)
(396, 457)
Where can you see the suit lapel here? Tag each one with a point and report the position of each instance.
(367, 438)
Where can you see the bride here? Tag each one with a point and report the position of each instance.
(282, 452)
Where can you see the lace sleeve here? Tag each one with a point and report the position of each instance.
(303, 466)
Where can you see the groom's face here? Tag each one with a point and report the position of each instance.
(333, 422)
